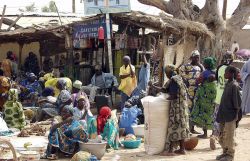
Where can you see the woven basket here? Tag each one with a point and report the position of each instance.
(8, 157)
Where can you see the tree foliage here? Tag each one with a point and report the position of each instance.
(30, 8)
(50, 8)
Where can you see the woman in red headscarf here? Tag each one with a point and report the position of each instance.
(105, 126)
(105, 114)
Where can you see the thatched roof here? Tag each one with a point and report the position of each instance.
(162, 23)
(28, 35)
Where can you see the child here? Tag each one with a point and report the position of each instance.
(229, 114)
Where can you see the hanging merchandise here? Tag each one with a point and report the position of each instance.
(83, 43)
(101, 33)
(132, 42)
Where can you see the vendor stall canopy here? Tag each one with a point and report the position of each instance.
(161, 23)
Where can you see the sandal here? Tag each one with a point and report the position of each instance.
(166, 153)
(52, 157)
(44, 156)
(180, 152)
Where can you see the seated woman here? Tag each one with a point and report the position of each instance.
(178, 111)
(64, 136)
(4, 88)
(63, 99)
(104, 126)
(59, 84)
(47, 104)
(30, 89)
(82, 110)
(13, 111)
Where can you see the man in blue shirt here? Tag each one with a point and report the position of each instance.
(100, 80)
(144, 76)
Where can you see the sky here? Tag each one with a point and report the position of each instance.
(65, 5)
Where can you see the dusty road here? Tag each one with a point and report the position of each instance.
(201, 153)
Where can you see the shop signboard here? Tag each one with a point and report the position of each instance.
(87, 30)
(106, 6)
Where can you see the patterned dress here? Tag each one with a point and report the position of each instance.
(110, 132)
(204, 103)
(13, 111)
(178, 114)
(5, 86)
(190, 73)
(66, 137)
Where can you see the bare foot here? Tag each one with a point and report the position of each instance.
(167, 153)
(202, 136)
(181, 152)
(212, 143)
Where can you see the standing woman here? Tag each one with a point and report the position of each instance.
(128, 80)
(189, 73)
(178, 129)
(204, 103)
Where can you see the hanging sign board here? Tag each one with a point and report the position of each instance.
(106, 6)
(87, 30)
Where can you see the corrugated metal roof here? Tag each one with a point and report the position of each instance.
(31, 20)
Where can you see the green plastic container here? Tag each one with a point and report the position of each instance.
(132, 144)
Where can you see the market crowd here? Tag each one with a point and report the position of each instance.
(201, 94)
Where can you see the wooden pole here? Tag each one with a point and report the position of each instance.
(19, 16)
(224, 11)
(74, 6)
(161, 72)
(110, 60)
(1, 20)
(109, 43)
(58, 13)
(20, 54)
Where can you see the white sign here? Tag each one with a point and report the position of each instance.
(106, 6)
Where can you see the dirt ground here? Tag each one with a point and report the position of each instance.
(201, 153)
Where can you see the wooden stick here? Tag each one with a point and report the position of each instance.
(1, 20)
(19, 16)
(58, 13)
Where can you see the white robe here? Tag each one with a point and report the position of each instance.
(245, 77)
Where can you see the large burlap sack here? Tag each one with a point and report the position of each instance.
(156, 111)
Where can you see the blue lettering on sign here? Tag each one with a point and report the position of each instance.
(87, 30)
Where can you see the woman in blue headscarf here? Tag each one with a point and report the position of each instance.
(65, 135)
(31, 89)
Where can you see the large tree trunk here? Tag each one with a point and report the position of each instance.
(210, 15)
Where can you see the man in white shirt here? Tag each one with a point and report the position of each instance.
(235, 47)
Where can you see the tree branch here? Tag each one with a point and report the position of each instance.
(210, 15)
(240, 16)
(181, 9)
(161, 4)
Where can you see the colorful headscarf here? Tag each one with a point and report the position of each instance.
(31, 75)
(195, 53)
(79, 97)
(210, 62)
(69, 109)
(4, 81)
(62, 82)
(104, 114)
(77, 84)
(48, 91)
(13, 95)
(171, 68)
(65, 96)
